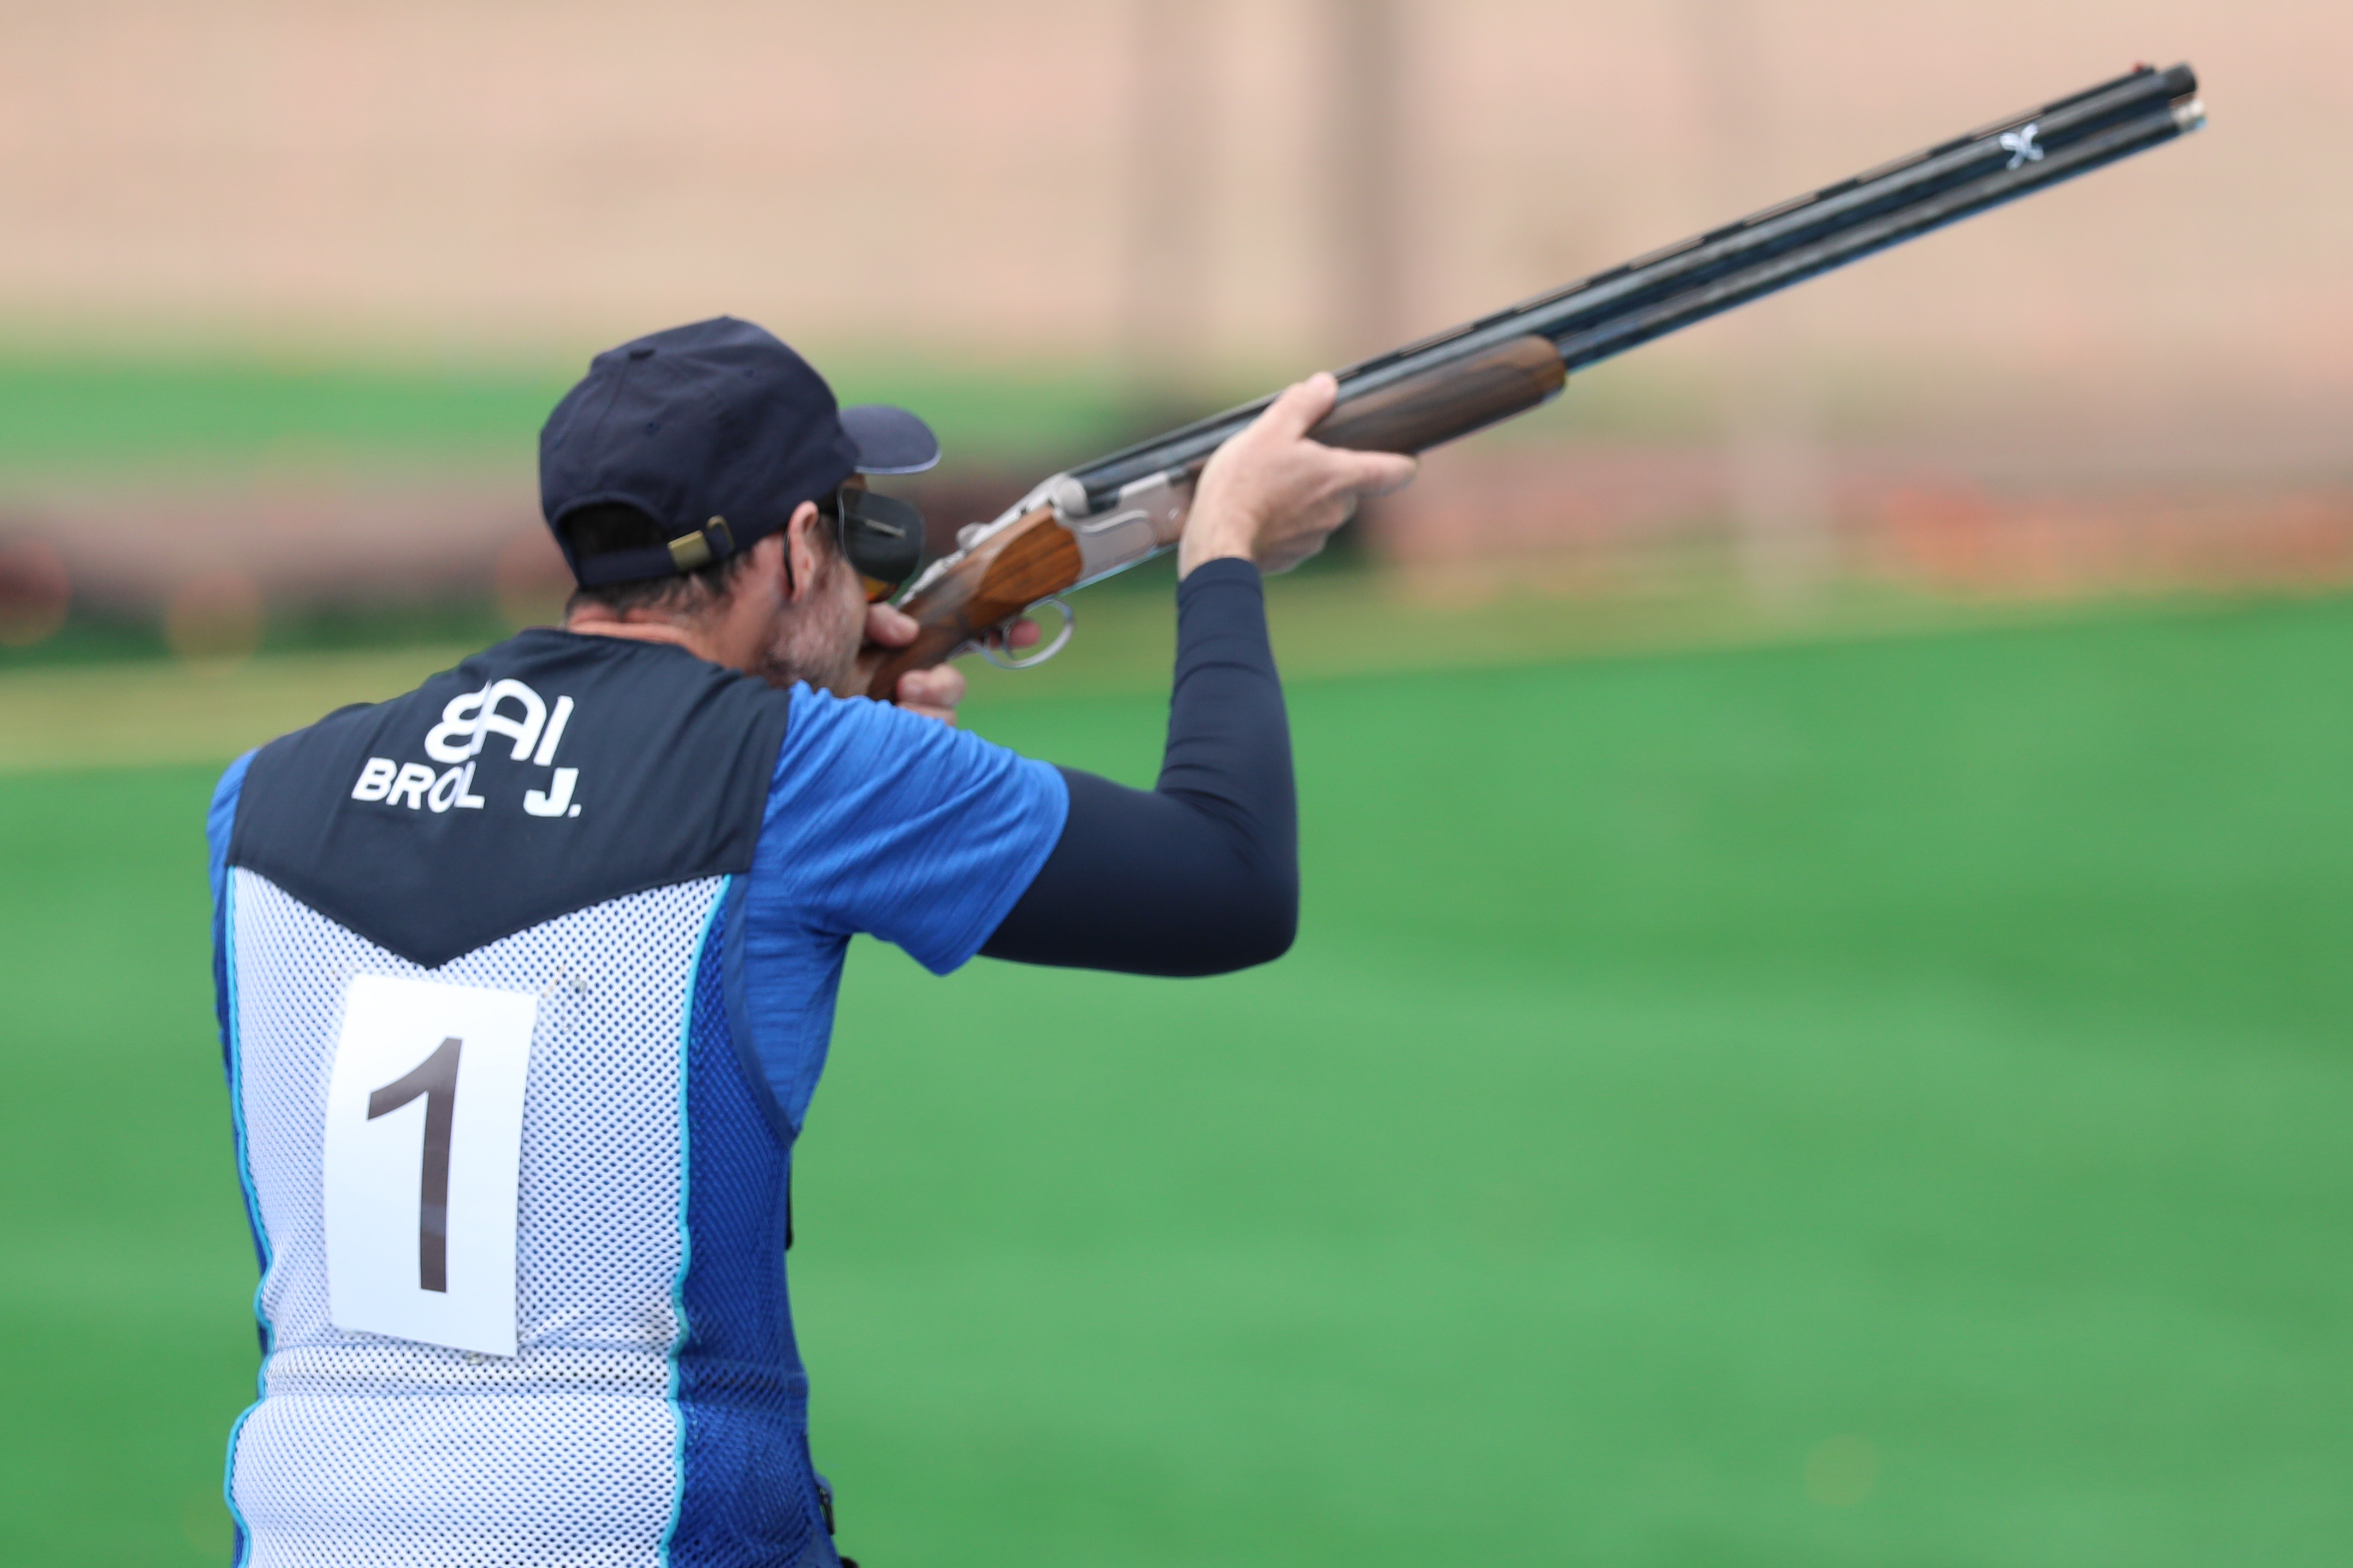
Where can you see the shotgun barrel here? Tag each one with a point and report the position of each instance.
(1106, 515)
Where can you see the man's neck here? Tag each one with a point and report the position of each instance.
(597, 621)
(604, 624)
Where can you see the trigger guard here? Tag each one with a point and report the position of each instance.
(1031, 661)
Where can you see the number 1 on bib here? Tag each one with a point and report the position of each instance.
(422, 1158)
(435, 1077)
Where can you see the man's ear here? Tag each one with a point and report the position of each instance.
(802, 561)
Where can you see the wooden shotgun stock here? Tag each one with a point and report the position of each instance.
(1032, 558)
(1037, 555)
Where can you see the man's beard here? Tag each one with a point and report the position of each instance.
(819, 648)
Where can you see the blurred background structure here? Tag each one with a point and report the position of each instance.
(1775, 1094)
(286, 288)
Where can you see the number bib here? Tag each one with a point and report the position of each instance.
(424, 1146)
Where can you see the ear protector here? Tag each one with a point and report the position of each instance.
(881, 538)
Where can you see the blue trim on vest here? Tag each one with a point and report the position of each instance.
(224, 952)
(747, 1496)
(683, 1332)
(220, 818)
(738, 996)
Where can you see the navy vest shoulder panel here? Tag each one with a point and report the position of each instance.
(552, 772)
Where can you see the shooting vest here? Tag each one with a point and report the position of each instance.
(518, 1194)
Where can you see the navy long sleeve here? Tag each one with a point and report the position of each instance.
(1198, 875)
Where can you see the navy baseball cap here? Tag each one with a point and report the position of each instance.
(718, 432)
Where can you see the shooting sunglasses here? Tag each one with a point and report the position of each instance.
(881, 538)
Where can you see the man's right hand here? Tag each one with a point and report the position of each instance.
(1272, 496)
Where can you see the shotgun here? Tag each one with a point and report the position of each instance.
(1086, 524)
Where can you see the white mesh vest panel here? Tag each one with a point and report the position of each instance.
(369, 1450)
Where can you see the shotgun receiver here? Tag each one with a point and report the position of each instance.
(1090, 521)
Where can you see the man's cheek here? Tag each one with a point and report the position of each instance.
(850, 627)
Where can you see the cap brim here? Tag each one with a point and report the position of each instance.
(890, 440)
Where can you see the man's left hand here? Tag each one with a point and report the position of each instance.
(935, 693)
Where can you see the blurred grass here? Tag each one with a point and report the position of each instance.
(391, 624)
(196, 417)
(83, 413)
(1856, 1102)
(80, 707)
(98, 715)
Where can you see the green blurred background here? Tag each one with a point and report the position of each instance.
(1866, 1100)
(1818, 1032)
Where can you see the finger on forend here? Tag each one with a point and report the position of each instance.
(1381, 473)
(1302, 404)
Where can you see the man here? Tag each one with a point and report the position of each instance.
(526, 978)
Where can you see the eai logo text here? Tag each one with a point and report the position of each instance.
(507, 709)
